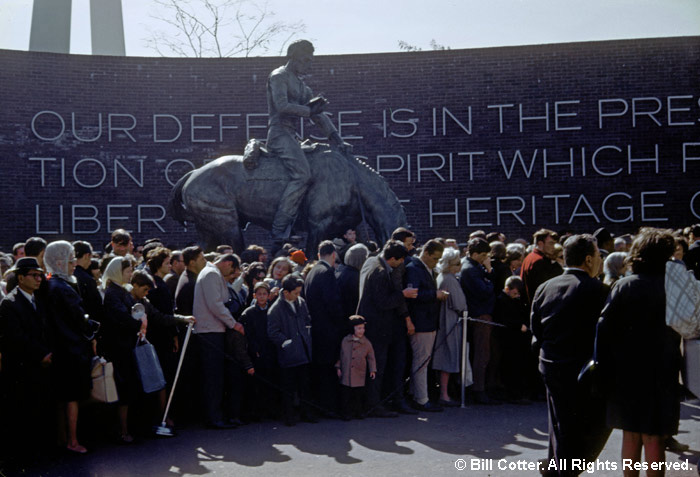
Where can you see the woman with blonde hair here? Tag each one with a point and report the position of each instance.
(448, 343)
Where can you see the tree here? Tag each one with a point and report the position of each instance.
(219, 28)
(405, 46)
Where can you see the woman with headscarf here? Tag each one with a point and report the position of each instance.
(614, 267)
(448, 342)
(348, 276)
(120, 333)
(72, 335)
(640, 354)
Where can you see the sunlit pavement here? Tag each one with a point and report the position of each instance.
(489, 440)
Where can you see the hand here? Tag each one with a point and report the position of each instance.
(286, 343)
(251, 372)
(46, 361)
(523, 328)
(239, 327)
(190, 319)
(372, 375)
(410, 327)
(410, 292)
(317, 106)
(176, 344)
(340, 373)
(94, 347)
(274, 293)
(442, 295)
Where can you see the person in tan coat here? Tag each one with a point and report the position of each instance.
(356, 354)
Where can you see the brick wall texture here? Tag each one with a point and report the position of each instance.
(566, 136)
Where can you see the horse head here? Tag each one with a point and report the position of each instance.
(384, 210)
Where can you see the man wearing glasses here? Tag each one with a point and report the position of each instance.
(26, 359)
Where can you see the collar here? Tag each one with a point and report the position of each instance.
(326, 263)
(426, 267)
(386, 265)
(26, 295)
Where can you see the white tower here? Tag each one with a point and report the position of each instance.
(51, 23)
(50, 26)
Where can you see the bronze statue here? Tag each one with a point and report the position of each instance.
(222, 196)
(321, 189)
(288, 99)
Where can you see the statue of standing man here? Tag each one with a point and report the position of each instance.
(288, 99)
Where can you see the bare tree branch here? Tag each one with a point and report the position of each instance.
(219, 28)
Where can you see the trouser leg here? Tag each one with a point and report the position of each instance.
(422, 347)
(212, 372)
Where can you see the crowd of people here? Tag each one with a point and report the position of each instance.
(287, 338)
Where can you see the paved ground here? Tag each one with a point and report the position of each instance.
(423, 445)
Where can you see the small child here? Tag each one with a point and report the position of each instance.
(356, 353)
(514, 341)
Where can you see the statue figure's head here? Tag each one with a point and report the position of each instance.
(300, 48)
(300, 54)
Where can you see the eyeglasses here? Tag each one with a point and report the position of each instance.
(35, 275)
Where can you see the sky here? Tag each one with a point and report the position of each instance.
(370, 26)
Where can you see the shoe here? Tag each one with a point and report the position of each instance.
(674, 446)
(520, 401)
(403, 408)
(448, 403)
(235, 422)
(290, 421)
(480, 397)
(126, 439)
(345, 417)
(429, 407)
(383, 412)
(310, 418)
(221, 425)
(78, 449)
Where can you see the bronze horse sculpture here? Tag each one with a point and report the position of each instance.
(222, 196)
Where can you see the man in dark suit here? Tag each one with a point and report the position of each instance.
(383, 305)
(288, 324)
(26, 360)
(425, 313)
(565, 311)
(692, 257)
(327, 325)
(92, 300)
(184, 295)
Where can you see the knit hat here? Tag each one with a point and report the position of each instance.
(298, 257)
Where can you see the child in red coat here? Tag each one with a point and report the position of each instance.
(356, 353)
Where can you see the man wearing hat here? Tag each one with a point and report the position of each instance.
(213, 318)
(26, 359)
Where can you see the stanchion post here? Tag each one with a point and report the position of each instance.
(464, 356)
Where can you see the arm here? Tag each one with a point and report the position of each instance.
(417, 277)
(474, 280)
(371, 361)
(274, 327)
(14, 337)
(212, 295)
(280, 97)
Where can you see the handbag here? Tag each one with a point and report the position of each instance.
(150, 372)
(682, 300)
(590, 378)
(104, 389)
